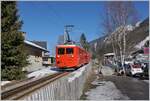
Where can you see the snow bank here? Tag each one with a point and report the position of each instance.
(42, 72)
(77, 73)
(139, 45)
(4, 82)
(105, 91)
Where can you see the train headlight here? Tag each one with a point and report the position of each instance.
(58, 56)
(72, 56)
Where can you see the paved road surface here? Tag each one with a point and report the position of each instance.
(111, 87)
(132, 87)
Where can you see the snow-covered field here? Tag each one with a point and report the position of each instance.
(42, 72)
(105, 90)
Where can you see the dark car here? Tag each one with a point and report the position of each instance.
(145, 67)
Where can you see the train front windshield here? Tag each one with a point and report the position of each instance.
(61, 51)
(69, 50)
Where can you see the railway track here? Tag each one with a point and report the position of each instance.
(23, 89)
(4, 87)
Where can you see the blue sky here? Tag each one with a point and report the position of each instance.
(45, 20)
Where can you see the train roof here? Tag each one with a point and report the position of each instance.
(70, 45)
(73, 45)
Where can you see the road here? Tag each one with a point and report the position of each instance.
(134, 88)
(112, 87)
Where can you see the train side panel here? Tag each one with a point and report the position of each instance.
(71, 56)
(82, 56)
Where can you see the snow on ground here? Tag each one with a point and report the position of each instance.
(42, 72)
(77, 73)
(105, 90)
(4, 82)
(139, 45)
(106, 71)
(38, 73)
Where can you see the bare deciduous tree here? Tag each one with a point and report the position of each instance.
(117, 16)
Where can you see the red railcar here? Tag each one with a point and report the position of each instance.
(71, 56)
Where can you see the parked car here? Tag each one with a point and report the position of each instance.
(134, 69)
(145, 67)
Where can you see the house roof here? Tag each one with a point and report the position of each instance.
(41, 43)
(137, 52)
(35, 45)
(108, 54)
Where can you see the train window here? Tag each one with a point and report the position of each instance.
(69, 50)
(61, 51)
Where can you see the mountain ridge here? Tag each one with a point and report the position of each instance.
(134, 37)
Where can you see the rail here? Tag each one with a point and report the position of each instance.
(15, 82)
(22, 89)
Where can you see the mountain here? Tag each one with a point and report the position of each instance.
(134, 36)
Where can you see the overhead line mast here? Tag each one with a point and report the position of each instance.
(68, 28)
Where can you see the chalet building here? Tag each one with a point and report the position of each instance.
(35, 53)
(142, 54)
(109, 58)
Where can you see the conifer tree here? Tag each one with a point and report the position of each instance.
(84, 42)
(13, 56)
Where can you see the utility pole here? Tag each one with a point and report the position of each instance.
(68, 28)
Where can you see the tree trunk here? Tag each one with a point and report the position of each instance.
(124, 48)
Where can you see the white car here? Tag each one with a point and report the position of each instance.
(135, 69)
